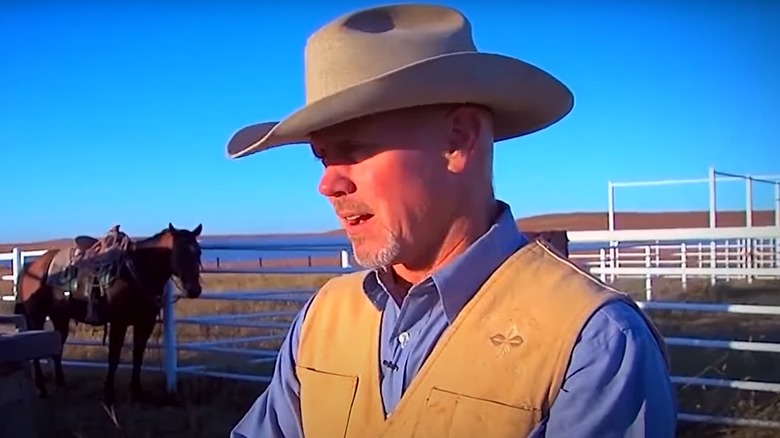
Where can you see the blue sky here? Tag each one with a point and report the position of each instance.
(120, 114)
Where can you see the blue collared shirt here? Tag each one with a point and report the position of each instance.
(617, 384)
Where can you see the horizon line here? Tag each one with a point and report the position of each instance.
(543, 216)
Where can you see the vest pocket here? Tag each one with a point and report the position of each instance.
(451, 415)
(326, 402)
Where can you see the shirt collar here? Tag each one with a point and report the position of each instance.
(458, 281)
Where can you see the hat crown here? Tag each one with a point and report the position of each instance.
(368, 43)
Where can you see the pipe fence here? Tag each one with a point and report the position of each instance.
(609, 255)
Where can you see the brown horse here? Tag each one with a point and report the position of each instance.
(133, 293)
(557, 239)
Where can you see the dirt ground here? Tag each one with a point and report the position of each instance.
(209, 407)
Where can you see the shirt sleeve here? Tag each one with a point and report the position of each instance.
(617, 383)
(277, 413)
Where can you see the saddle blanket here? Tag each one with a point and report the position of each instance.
(58, 273)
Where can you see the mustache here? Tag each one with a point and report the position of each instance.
(349, 207)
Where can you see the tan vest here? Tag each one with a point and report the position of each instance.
(494, 373)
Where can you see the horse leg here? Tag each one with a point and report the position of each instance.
(61, 323)
(116, 338)
(40, 379)
(36, 321)
(142, 330)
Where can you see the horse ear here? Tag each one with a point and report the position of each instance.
(170, 227)
(197, 230)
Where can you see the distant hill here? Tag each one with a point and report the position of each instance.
(577, 221)
(638, 221)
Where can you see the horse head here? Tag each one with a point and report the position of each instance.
(185, 258)
(172, 254)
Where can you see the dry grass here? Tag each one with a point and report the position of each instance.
(203, 407)
(720, 363)
(206, 407)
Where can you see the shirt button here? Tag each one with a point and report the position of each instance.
(403, 338)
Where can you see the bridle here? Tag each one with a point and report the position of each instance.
(179, 283)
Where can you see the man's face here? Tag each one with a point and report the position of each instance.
(388, 178)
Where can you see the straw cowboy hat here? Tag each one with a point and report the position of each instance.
(401, 56)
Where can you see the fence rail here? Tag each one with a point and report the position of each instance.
(713, 178)
(17, 258)
(649, 254)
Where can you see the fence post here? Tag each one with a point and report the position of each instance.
(16, 269)
(713, 261)
(170, 350)
(612, 261)
(713, 220)
(648, 277)
(345, 259)
(684, 264)
(776, 241)
(750, 256)
(603, 263)
(727, 257)
(657, 253)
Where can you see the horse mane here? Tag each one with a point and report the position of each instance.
(156, 235)
(153, 237)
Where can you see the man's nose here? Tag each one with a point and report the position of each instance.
(335, 182)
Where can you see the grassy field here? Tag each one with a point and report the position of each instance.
(720, 363)
(207, 407)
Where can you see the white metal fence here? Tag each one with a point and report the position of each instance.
(745, 253)
(714, 177)
(715, 253)
(17, 258)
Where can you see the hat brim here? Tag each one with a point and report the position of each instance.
(524, 99)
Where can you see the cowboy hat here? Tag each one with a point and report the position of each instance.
(402, 56)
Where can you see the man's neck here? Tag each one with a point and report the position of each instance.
(465, 230)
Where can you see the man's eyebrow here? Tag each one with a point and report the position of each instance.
(354, 144)
(345, 146)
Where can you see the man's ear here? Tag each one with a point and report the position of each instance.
(466, 126)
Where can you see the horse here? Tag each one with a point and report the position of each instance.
(556, 239)
(132, 294)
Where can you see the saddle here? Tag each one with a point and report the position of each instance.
(90, 266)
(85, 242)
(89, 252)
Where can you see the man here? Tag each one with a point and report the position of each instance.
(458, 327)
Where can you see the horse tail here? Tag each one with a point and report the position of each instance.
(48, 257)
(18, 305)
